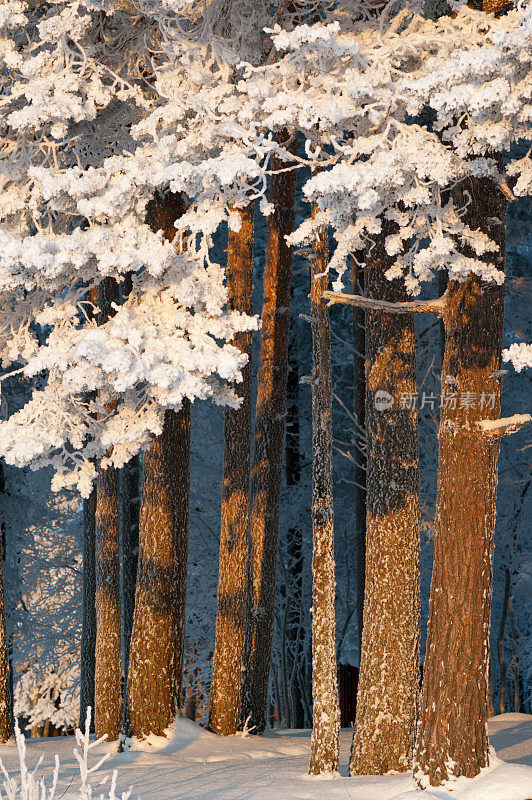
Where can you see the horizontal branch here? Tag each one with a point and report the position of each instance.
(495, 428)
(436, 306)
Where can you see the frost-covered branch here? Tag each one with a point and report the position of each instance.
(436, 306)
(496, 428)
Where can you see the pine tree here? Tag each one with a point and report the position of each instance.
(266, 473)
(225, 714)
(326, 710)
(388, 681)
(157, 640)
(108, 649)
(452, 736)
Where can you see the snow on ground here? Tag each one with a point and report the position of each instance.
(193, 764)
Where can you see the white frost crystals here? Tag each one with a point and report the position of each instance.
(175, 108)
(30, 787)
(519, 354)
(68, 221)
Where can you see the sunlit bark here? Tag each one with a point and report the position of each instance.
(157, 640)
(225, 715)
(388, 683)
(266, 473)
(326, 709)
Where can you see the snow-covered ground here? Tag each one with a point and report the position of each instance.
(193, 764)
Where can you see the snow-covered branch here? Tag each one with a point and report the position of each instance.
(496, 428)
(436, 306)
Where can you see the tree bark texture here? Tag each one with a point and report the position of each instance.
(6, 713)
(266, 473)
(88, 625)
(157, 641)
(326, 709)
(389, 668)
(226, 711)
(108, 651)
(452, 736)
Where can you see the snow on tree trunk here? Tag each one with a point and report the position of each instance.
(157, 641)
(389, 668)
(108, 651)
(226, 711)
(6, 717)
(88, 625)
(452, 737)
(326, 709)
(266, 473)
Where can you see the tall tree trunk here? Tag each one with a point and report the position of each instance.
(6, 713)
(129, 534)
(108, 661)
(88, 625)
(359, 329)
(452, 735)
(389, 669)
(266, 473)
(157, 639)
(295, 632)
(226, 710)
(326, 709)
(129, 541)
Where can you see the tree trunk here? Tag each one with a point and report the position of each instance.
(326, 709)
(226, 710)
(157, 641)
(6, 715)
(500, 643)
(129, 534)
(295, 631)
(88, 623)
(359, 329)
(389, 668)
(452, 735)
(108, 669)
(88, 626)
(130, 549)
(266, 474)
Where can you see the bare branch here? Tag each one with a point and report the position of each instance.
(495, 428)
(436, 306)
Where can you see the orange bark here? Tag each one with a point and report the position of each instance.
(266, 473)
(225, 714)
(157, 639)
